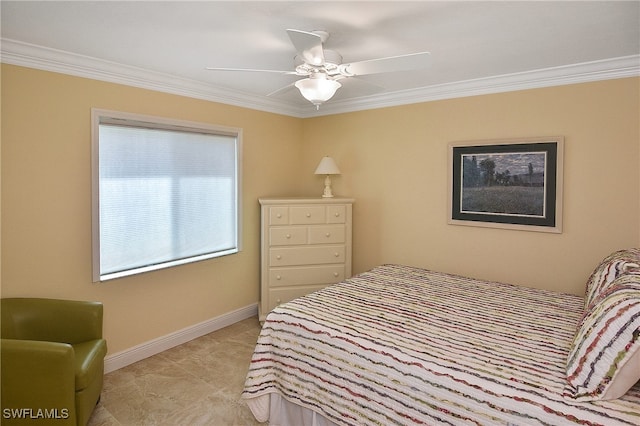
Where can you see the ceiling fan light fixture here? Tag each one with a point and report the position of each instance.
(317, 89)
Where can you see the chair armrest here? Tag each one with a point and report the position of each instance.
(54, 320)
(37, 376)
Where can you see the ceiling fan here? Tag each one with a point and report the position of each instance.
(322, 68)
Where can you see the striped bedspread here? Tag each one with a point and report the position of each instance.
(405, 346)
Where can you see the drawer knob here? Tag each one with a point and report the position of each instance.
(337, 214)
(288, 236)
(278, 301)
(278, 257)
(336, 254)
(308, 214)
(278, 277)
(335, 274)
(279, 215)
(328, 234)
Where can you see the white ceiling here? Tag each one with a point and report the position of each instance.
(476, 47)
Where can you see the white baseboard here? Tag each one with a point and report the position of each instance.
(129, 356)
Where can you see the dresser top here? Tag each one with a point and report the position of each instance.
(304, 200)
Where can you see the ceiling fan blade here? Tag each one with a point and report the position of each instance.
(409, 62)
(250, 70)
(282, 90)
(354, 87)
(308, 45)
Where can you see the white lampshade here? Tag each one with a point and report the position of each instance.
(317, 88)
(327, 166)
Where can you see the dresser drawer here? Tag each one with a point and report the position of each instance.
(306, 255)
(283, 277)
(279, 215)
(337, 214)
(333, 234)
(307, 215)
(276, 296)
(287, 236)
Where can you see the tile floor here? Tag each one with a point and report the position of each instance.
(197, 383)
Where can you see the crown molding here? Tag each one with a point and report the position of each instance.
(43, 58)
(32, 56)
(608, 69)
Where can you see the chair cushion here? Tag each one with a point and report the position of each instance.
(89, 358)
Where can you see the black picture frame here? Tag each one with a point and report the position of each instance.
(507, 183)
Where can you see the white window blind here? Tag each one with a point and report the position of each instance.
(167, 194)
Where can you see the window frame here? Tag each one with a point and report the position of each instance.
(104, 116)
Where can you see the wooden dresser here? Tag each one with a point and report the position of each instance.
(305, 245)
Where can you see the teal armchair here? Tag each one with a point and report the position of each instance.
(52, 360)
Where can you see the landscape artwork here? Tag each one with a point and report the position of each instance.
(507, 184)
(504, 183)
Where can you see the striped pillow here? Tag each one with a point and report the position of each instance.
(604, 360)
(611, 267)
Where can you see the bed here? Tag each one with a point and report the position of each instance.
(400, 345)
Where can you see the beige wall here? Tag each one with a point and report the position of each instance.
(393, 162)
(46, 203)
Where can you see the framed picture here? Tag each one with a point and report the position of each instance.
(507, 183)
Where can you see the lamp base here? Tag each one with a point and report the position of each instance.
(327, 188)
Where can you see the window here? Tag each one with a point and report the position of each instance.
(165, 193)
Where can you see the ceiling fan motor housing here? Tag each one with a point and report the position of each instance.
(332, 60)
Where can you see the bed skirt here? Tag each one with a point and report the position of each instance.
(280, 412)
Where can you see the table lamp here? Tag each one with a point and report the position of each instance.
(327, 167)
